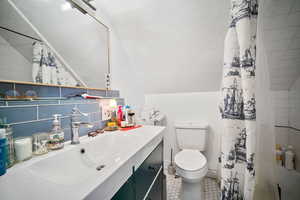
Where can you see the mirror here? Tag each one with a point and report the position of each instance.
(51, 42)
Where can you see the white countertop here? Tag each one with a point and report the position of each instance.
(58, 178)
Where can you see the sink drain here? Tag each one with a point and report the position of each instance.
(100, 167)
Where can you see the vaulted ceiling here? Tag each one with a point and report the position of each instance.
(177, 45)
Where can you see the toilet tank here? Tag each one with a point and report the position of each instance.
(191, 135)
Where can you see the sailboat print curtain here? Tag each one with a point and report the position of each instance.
(47, 69)
(238, 103)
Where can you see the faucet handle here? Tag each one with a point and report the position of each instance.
(76, 110)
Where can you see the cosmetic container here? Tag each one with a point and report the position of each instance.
(23, 148)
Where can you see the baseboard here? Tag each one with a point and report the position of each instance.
(212, 173)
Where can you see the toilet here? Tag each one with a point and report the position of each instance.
(190, 163)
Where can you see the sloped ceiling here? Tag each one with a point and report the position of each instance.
(177, 45)
(281, 36)
(174, 45)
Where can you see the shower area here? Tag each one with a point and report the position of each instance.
(278, 98)
(277, 94)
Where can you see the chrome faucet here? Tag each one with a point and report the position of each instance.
(76, 123)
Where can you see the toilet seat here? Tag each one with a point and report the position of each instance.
(190, 160)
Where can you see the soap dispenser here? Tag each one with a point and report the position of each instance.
(56, 137)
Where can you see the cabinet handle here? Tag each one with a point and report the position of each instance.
(151, 168)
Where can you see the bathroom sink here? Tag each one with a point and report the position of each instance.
(94, 169)
(86, 160)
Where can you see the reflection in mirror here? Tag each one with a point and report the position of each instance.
(24, 56)
(55, 34)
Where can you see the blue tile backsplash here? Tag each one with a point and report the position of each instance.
(47, 111)
(29, 117)
(18, 114)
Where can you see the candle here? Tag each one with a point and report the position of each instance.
(23, 148)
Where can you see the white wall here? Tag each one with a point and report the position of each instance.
(124, 76)
(202, 106)
(14, 66)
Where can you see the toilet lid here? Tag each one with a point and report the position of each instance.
(191, 160)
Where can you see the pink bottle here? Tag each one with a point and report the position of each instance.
(120, 115)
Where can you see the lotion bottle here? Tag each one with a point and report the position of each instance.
(56, 137)
(290, 158)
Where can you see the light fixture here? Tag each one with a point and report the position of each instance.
(113, 103)
(66, 6)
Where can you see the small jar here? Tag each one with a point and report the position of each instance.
(56, 140)
(23, 148)
(40, 141)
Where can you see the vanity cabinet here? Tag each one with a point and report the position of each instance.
(147, 181)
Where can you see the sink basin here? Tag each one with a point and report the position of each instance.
(79, 164)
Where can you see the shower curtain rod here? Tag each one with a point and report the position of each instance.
(18, 33)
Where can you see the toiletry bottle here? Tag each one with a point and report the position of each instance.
(3, 152)
(56, 137)
(283, 150)
(10, 146)
(279, 155)
(120, 115)
(126, 114)
(290, 158)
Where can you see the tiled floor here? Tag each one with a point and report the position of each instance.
(211, 188)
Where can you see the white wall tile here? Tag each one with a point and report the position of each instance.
(293, 19)
(296, 6)
(282, 136)
(294, 102)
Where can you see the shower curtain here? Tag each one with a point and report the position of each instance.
(238, 103)
(47, 69)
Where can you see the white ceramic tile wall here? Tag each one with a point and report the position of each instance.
(281, 112)
(294, 119)
(282, 135)
(294, 102)
(281, 107)
(281, 34)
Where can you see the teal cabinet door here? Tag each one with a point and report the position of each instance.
(137, 186)
(156, 192)
(127, 191)
(146, 173)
